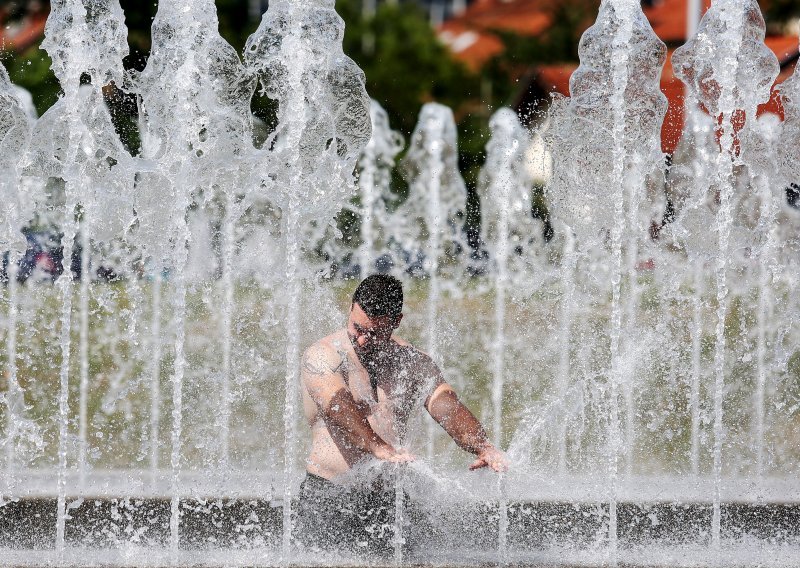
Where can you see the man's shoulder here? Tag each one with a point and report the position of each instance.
(418, 367)
(325, 353)
(414, 356)
(407, 347)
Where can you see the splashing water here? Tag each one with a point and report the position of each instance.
(507, 227)
(616, 92)
(729, 70)
(592, 353)
(323, 124)
(15, 131)
(374, 180)
(430, 221)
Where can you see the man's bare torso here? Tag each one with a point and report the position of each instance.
(402, 376)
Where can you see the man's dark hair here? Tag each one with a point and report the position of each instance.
(380, 295)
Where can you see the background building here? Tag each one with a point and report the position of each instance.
(509, 32)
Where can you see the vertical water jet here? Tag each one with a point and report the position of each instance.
(83, 353)
(323, 125)
(507, 229)
(612, 124)
(690, 187)
(15, 132)
(227, 250)
(83, 41)
(155, 373)
(374, 179)
(730, 70)
(568, 267)
(759, 148)
(429, 223)
(193, 69)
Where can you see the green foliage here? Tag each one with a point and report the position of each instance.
(502, 75)
(31, 70)
(404, 62)
(406, 66)
(557, 44)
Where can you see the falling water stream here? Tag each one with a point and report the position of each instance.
(504, 184)
(760, 150)
(622, 52)
(179, 366)
(228, 304)
(155, 373)
(430, 225)
(15, 401)
(83, 350)
(366, 183)
(296, 112)
(564, 333)
(374, 183)
(697, 364)
(320, 91)
(619, 58)
(730, 35)
(14, 136)
(215, 231)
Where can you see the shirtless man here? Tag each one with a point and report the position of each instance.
(361, 386)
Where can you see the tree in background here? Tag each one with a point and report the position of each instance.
(29, 67)
(406, 67)
(504, 74)
(779, 12)
(521, 53)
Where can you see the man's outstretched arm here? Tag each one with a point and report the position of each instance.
(444, 406)
(339, 410)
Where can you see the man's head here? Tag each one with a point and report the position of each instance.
(375, 313)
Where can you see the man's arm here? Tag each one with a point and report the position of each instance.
(456, 419)
(327, 388)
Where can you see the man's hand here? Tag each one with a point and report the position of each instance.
(464, 428)
(491, 457)
(387, 453)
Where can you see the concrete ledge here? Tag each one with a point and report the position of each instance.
(230, 523)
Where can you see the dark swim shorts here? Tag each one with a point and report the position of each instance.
(332, 517)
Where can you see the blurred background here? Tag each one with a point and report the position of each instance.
(474, 56)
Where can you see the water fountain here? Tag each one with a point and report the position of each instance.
(374, 183)
(615, 91)
(430, 222)
(726, 82)
(647, 388)
(688, 185)
(16, 127)
(509, 230)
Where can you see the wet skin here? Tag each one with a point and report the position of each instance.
(361, 386)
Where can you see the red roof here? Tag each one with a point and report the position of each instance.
(21, 34)
(470, 35)
(532, 17)
(555, 79)
(669, 19)
(470, 41)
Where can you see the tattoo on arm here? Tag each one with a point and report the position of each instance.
(316, 365)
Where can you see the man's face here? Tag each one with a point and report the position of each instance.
(370, 335)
